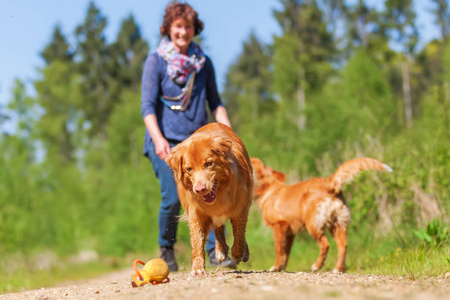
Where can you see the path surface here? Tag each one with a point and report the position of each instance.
(226, 284)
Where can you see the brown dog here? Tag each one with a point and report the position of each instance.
(214, 179)
(314, 204)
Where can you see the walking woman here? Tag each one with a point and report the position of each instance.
(178, 84)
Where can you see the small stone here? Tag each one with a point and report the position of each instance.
(447, 275)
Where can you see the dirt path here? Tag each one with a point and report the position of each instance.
(226, 284)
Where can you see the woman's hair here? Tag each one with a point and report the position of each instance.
(177, 10)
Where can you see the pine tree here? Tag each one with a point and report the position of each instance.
(55, 95)
(129, 52)
(124, 128)
(58, 94)
(57, 49)
(94, 63)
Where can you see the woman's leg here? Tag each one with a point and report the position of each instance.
(170, 204)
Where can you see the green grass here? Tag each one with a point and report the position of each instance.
(413, 263)
(367, 254)
(26, 278)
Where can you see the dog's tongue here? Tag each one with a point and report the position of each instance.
(210, 197)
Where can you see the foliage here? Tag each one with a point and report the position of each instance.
(435, 235)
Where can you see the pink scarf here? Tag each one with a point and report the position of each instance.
(179, 66)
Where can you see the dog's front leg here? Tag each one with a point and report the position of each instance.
(239, 250)
(221, 244)
(198, 231)
(283, 238)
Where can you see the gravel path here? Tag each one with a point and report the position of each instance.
(226, 284)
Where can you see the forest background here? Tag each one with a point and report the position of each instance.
(340, 81)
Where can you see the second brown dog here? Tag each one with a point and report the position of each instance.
(315, 204)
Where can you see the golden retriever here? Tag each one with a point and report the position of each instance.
(314, 204)
(214, 179)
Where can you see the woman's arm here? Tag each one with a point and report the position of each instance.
(162, 146)
(215, 104)
(150, 93)
(221, 116)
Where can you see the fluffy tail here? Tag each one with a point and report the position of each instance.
(349, 169)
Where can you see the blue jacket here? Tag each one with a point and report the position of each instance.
(177, 125)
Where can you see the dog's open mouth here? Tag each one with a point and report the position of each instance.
(211, 196)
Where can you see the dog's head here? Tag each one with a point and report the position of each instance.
(265, 176)
(201, 164)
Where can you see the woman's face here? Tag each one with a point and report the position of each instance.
(181, 34)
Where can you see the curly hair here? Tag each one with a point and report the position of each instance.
(177, 10)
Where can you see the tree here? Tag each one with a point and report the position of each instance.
(358, 103)
(400, 20)
(129, 52)
(442, 12)
(337, 17)
(124, 128)
(302, 55)
(58, 95)
(93, 65)
(57, 49)
(247, 87)
(24, 110)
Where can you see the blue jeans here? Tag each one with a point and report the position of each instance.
(170, 204)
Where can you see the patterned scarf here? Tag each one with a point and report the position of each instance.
(179, 66)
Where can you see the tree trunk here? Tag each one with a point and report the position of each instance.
(407, 95)
(301, 102)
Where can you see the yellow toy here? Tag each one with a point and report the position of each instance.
(154, 271)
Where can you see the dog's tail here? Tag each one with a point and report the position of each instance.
(351, 168)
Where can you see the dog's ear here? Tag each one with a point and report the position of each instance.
(174, 160)
(256, 162)
(221, 145)
(279, 175)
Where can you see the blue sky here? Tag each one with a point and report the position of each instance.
(26, 27)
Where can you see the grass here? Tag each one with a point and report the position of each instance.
(367, 254)
(414, 263)
(25, 279)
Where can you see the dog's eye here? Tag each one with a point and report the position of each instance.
(208, 164)
(188, 169)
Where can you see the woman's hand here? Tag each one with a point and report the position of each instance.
(162, 147)
(221, 116)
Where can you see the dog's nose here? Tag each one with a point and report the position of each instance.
(200, 188)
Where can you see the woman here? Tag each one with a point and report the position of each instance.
(178, 80)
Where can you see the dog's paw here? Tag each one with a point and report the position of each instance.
(337, 271)
(240, 253)
(246, 254)
(198, 266)
(198, 272)
(314, 268)
(220, 256)
(274, 269)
